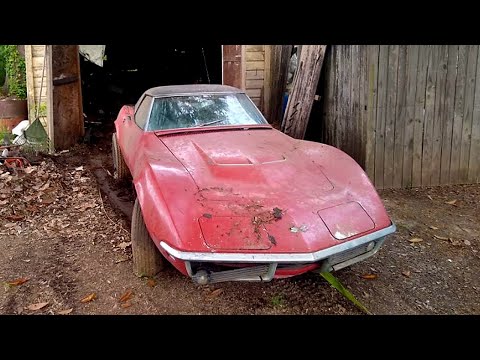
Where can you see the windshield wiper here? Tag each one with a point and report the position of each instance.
(210, 123)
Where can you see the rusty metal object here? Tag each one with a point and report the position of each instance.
(11, 113)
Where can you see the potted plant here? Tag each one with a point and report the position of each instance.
(13, 88)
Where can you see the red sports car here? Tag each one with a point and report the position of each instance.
(223, 196)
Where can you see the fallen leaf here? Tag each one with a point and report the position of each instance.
(29, 169)
(433, 227)
(123, 245)
(15, 217)
(65, 312)
(18, 189)
(415, 240)
(18, 282)
(277, 213)
(430, 197)
(4, 202)
(452, 202)
(468, 243)
(126, 305)
(406, 273)
(89, 298)
(45, 186)
(38, 306)
(440, 237)
(369, 276)
(128, 294)
(454, 242)
(47, 200)
(80, 168)
(151, 283)
(215, 293)
(9, 225)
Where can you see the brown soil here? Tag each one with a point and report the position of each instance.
(69, 242)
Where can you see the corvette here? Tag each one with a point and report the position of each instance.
(223, 196)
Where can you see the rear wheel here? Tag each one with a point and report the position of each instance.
(147, 260)
(120, 168)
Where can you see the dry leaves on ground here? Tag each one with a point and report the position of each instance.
(369, 276)
(128, 294)
(37, 306)
(89, 298)
(18, 282)
(65, 312)
(415, 240)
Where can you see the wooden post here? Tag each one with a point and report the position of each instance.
(301, 99)
(275, 81)
(49, 85)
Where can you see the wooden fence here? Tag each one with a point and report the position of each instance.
(410, 114)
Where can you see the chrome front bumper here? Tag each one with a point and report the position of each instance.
(332, 258)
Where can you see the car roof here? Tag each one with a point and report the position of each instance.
(191, 89)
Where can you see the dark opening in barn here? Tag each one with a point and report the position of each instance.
(126, 71)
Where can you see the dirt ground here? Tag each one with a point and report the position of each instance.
(61, 240)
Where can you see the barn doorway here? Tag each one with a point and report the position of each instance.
(128, 70)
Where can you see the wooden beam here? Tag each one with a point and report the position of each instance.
(275, 81)
(301, 99)
(49, 85)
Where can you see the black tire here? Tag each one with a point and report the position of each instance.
(121, 171)
(147, 260)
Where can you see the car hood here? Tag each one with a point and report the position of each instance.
(254, 163)
(260, 189)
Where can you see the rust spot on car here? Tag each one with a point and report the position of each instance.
(272, 239)
(277, 213)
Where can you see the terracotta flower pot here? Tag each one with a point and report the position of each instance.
(11, 113)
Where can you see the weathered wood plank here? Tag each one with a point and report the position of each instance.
(410, 88)
(346, 104)
(399, 125)
(340, 110)
(254, 48)
(279, 60)
(423, 55)
(354, 102)
(381, 116)
(390, 114)
(255, 65)
(30, 82)
(439, 114)
(327, 94)
(255, 75)
(38, 50)
(362, 111)
(256, 100)
(266, 84)
(371, 101)
(474, 162)
(255, 56)
(429, 114)
(303, 92)
(254, 84)
(458, 114)
(449, 113)
(254, 92)
(468, 113)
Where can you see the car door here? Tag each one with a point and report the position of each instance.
(134, 129)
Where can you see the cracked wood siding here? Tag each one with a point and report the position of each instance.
(255, 74)
(419, 118)
(34, 61)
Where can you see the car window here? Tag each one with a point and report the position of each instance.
(141, 116)
(203, 110)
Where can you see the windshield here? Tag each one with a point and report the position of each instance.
(203, 110)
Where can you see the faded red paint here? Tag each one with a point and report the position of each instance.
(214, 190)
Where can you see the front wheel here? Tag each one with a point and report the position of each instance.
(147, 260)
